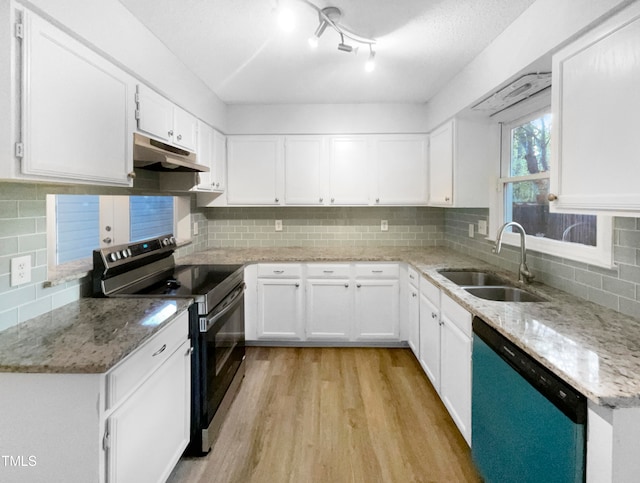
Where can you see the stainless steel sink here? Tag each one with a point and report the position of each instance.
(467, 278)
(504, 294)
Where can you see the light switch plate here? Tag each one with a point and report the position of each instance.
(278, 225)
(482, 227)
(384, 225)
(471, 230)
(20, 270)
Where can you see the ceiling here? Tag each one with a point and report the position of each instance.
(237, 48)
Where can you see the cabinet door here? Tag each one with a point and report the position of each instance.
(441, 153)
(303, 162)
(596, 119)
(455, 388)
(414, 320)
(151, 429)
(219, 162)
(329, 309)
(253, 170)
(205, 156)
(77, 109)
(185, 129)
(377, 309)
(401, 175)
(430, 340)
(349, 168)
(155, 114)
(280, 309)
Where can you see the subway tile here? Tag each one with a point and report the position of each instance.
(618, 287)
(624, 223)
(625, 255)
(29, 243)
(603, 298)
(8, 318)
(19, 226)
(32, 208)
(17, 296)
(9, 246)
(630, 307)
(628, 238)
(66, 296)
(33, 309)
(630, 273)
(9, 209)
(17, 191)
(588, 278)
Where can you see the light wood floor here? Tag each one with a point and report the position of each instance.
(333, 415)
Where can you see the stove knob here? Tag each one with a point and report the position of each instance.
(165, 242)
(172, 240)
(118, 256)
(124, 254)
(113, 257)
(129, 251)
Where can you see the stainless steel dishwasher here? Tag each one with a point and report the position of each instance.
(528, 425)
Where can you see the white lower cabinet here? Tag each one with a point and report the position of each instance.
(153, 422)
(377, 315)
(329, 307)
(413, 333)
(280, 309)
(430, 331)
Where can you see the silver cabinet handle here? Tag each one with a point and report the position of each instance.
(377, 200)
(447, 198)
(321, 199)
(277, 200)
(170, 133)
(297, 284)
(358, 285)
(107, 240)
(332, 200)
(414, 294)
(552, 197)
(131, 175)
(189, 351)
(346, 285)
(179, 137)
(376, 271)
(278, 271)
(434, 315)
(159, 351)
(327, 271)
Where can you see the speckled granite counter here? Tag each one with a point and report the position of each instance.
(87, 336)
(595, 349)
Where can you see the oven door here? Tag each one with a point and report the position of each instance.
(222, 351)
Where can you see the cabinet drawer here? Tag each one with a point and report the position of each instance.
(130, 372)
(455, 314)
(326, 270)
(377, 270)
(280, 270)
(413, 277)
(430, 291)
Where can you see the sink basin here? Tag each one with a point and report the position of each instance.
(470, 278)
(504, 294)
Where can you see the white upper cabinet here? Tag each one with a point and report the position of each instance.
(219, 162)
(304, 163)
(349, 168)
(401, 169)
(596, 120)
(254, 164)
(160, 118)
(463, 157)
(205, 157)
(69, 90)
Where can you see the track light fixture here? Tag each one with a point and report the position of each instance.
(329, 17)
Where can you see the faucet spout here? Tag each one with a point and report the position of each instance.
(524, 274)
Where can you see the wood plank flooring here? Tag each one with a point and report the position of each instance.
(333, 415)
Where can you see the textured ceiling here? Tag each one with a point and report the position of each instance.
(238, 50)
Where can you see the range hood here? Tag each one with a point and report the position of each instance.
(518, 90)
(157, 156)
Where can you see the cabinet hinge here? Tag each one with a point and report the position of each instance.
(106, 441)
(19, 150)
(19, 31)
(137, 98)
(137, 114)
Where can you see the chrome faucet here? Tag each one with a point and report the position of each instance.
(524, 275)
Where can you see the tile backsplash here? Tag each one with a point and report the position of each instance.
(325, 226)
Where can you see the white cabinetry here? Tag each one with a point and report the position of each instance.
(349, 168)
(160, 118)
(377, 299)
(280, 302)
(401, 169)
(69, 90)
(304, 167)
(462, 159)
(413, 336)
(430, 331)
(212, 153)
(596, 119)
(329, 306)
(254, 167)
(455, 364)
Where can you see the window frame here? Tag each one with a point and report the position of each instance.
(601, 255)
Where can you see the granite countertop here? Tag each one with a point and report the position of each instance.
(90, 335)
(595, 349)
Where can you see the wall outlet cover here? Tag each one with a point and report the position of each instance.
(471, 230)
(384, 225)
(482, 227)
(278, 225)
(20, 270)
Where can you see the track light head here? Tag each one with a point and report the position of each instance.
(370, 65)
(344, 47)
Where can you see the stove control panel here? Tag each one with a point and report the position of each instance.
(122, 254)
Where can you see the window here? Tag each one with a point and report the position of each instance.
(525, 188)
(79, 224)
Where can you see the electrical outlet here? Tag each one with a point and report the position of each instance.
(278, 225)
(20, 270)
(471, 229)
(482, 227)
(384, 225)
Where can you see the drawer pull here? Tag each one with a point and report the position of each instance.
(434, 315)
(278, 271)
(376, 271)
(327, 271)
(159, 351)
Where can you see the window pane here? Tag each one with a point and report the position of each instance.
(526, 203)
(78, 232)
(150, 216)
(530, 147)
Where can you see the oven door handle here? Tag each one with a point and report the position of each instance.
(230, 303)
